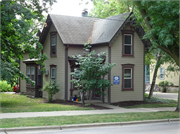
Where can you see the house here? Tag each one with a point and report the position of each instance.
(64, 36)
(164, 75)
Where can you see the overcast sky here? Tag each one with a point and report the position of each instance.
(70, 7)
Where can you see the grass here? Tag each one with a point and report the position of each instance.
(82, 119)
(13, 103)
(163, 103)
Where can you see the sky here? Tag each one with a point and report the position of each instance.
(70, 7)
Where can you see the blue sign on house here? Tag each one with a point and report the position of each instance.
(116, 80)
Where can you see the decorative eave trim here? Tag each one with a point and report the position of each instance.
(119, 30)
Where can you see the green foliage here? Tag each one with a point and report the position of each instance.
(51, 88)
(160, 20)
(103, 9)
(5, 87)
(146, 95)
(164, 85)
(20, 21)
(87, 104)
(93, 69)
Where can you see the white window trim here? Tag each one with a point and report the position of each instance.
(161, 73)
(128, 78)
(51, 73)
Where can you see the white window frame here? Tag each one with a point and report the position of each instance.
(127, 78)
(127, 44)
(161, 73)
(51, 72)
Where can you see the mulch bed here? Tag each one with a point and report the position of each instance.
(132, 103)
(75, 104)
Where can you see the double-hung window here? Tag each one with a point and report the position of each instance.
(53, 73)
(127, 76)
(161, 73)
(53, 44)
(127, 44)
(30, 73)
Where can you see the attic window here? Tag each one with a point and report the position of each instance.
(53, 44)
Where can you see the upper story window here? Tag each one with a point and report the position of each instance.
(127, 43)
(53, 44)
(161, 73)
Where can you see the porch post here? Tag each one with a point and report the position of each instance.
(66, 73)
(109, 74)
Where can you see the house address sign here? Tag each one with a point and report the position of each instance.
(116, 79)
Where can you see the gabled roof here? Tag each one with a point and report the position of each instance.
(105, 29)
(79, 30)
(73, 30)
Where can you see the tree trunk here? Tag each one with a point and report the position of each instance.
(90, 97)
(178, 105)
(155, 75)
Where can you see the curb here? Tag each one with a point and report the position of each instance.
(61, 127)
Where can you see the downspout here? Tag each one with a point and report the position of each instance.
(109, 74)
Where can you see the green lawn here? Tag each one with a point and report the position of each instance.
(163, 103)
(81, 119)
(12, 103)
(153, 105)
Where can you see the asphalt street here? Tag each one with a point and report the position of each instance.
(172, 96)
(150, 128)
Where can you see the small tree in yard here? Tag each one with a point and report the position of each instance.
(51, 89)
(93, 70)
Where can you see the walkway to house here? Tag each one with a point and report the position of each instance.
(85, 112)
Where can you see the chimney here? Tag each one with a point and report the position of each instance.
(85, 13)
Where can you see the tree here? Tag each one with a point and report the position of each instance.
(103, 9)
(162, 24)
(18, 29)
(51, 88)
(93, 71)
(160, 20)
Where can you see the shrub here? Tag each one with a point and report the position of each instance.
(51, 89)
(146, 95)
(164, 85)
(5, 87)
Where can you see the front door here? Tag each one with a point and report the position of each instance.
(95, 94)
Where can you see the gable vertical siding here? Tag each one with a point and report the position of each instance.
(75, 50)
(23, 70)
(59, 61)
(116, 57)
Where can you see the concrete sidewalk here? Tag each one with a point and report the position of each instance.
(84, 112)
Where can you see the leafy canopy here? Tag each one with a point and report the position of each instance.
(19, 24)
